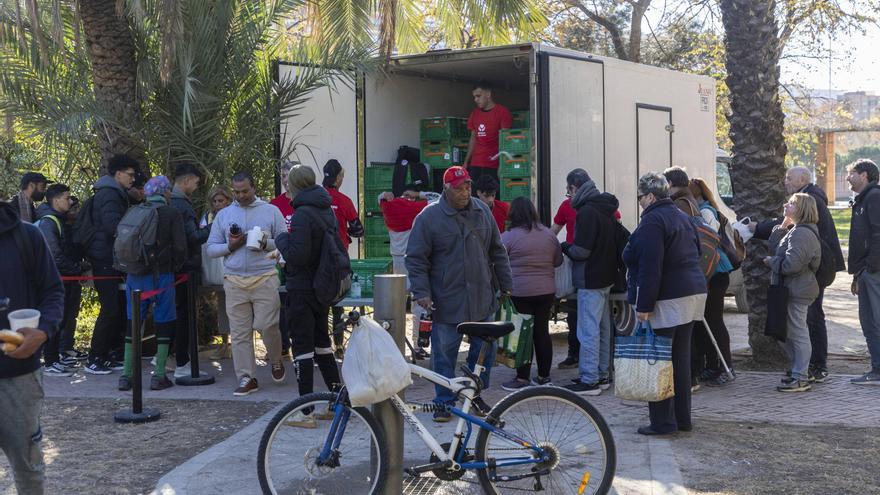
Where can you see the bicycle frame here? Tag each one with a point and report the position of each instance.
(463, 386)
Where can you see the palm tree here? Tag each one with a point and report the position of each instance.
(756, 130)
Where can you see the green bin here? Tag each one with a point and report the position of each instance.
(371, 198)
(377, 247)
(519, 165)
(440, 154)
(378, 175)
(442, 128)
(374, 225)
(515, 187)
(515, 140)
(521, 119)
(367, 269)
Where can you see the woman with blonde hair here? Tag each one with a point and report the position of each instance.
(218, 197)
(796, 259)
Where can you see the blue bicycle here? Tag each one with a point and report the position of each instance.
(541, 439)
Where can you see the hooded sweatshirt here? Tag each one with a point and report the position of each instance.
(594, 252)
(302, 247)
(30, 282)
(52, 226)
(195, 235)
(245, 262)
(109, 205)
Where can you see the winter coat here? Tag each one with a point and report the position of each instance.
(797, 257)
(109, 204)
(301, 248)
(195, 235)
(52, 226)
(245, 262)
(594, 252)
(30, 280)
(170, 238)
(663, 257)
(453, 264)
(864, 234)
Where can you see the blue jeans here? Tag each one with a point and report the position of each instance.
(445, 341)
(21, 399)
(594, 333)
(869, 314)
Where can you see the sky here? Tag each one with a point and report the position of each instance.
(855, 65)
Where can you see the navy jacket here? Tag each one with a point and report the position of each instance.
(663, 257)
(195, 236)
(301, 248)
(109, 205)
(30, 282)
(864, 236)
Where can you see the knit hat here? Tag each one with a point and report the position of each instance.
(331, 171)
(300, 177)
(157, 186)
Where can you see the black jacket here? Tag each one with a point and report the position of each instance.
(109, 204)
(170, 238)
(53, 225)
(195, 236)
(594, 252)
(301, 248)
(30, 280)
(864, 234)
(827, 230)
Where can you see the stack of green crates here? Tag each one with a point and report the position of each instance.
(521, 119)
(367, 269)
(515, 161)
(444, 141)
(377, 179)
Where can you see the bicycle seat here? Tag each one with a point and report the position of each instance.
(485, 330)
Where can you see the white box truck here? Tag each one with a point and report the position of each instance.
(615, 119)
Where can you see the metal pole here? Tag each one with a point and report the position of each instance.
(195, 378)
(389, 294)
(138, 413)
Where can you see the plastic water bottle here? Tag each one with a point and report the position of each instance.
(355, 288)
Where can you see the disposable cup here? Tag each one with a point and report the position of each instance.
(24, 318)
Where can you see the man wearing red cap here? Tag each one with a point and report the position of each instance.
(457, 266)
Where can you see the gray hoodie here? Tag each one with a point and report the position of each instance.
(244, 262)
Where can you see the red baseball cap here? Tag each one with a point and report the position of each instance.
(456, 176)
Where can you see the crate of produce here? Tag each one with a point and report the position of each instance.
(442, 128)
(515, 140)
(378, 175)
(515, 187)
(521, 119)
(374, 225)
(377, 247)
(367, 269)
(371, 198)
(519, 165)
(439, 154)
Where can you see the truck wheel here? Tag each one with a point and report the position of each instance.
(742, 304)
(624, 317)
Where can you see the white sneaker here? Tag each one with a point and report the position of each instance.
(186, 370)
(300, 420)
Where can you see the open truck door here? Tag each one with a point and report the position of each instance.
(324, 127)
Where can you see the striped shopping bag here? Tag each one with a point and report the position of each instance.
(643, 366)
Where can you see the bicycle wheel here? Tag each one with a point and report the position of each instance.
(568, 427)
(287, 459)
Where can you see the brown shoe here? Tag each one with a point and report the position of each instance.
(160, 382)
(278, 372)
(246, 386)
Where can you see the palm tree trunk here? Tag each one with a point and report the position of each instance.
(756, 125)
(114, 77)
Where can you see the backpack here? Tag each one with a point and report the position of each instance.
(710, 243)
(621, 238)
(827, 271)
(333, 275)
(134, 250)
(405, 165)
(84, 229)
(731, 243)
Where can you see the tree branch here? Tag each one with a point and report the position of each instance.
(610, 27)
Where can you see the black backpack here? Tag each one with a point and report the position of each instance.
(333, 275)
(827, 271)
(84, 229)
(404, 166)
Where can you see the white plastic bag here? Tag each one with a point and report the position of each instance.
(742, 226)
(373, 369)
(212, 268)
(564, 285)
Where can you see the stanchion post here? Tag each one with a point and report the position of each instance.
(195, 378)
(389, 294)
(138, 413)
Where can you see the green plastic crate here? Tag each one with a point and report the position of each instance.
(442, 128)
(515, 187)
(371, 198)
(378, 175)
(515, 140)
(462, 142)
(440, 154)
(377, 247)
(517, 166)
(374, 225)
(367, 269)
(521, 119)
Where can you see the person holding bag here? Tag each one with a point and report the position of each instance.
(668, 290)
(534, 253)
(793, 266)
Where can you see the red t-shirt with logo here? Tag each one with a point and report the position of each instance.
(486, 124)
(400, 213)
(566, 215)
(282, 202)
(345, 212)
(499, 212)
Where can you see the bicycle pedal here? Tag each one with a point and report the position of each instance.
(505, 478)
(424, 468)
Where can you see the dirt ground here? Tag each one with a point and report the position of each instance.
(721, 458)
(128, 459)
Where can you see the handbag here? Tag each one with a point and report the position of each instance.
(516, 348)
(212, 268)
(776, 325)
(643, 366)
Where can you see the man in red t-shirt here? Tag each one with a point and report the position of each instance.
(282, 201)
(565, 218)
(485, 122)
(487, 189)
